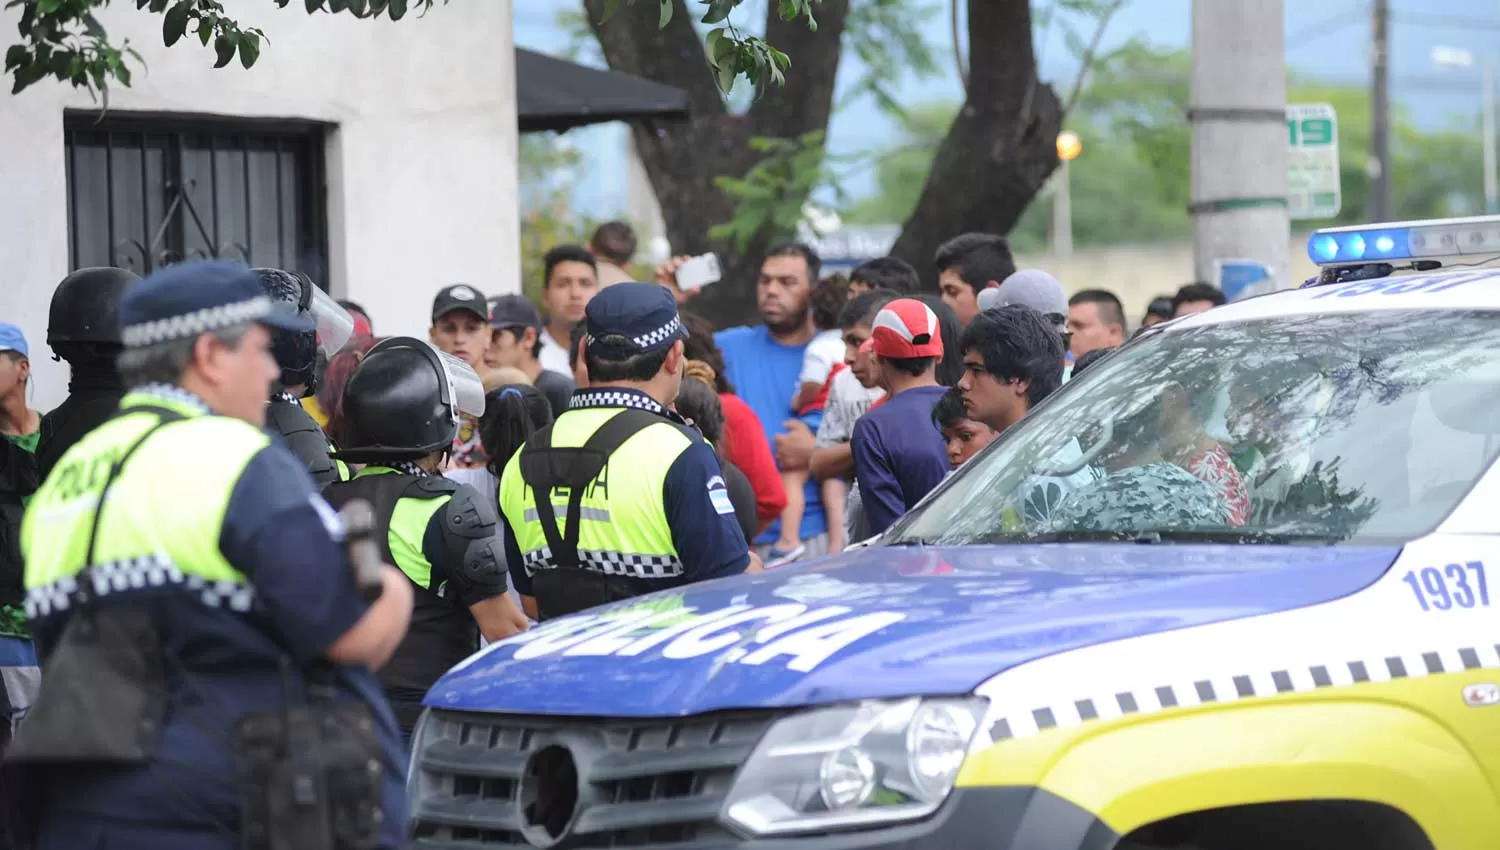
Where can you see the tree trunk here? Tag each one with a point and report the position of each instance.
(1001, 147)
(682, 158)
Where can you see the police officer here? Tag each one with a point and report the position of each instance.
(83, 328)
(187, 594)
(297, 354)
(620, 496)
(401, 410)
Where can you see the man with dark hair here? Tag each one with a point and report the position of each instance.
(899, 456)
(516, 342)
(612, 245)
(1196, 297)
(890, 273)
(1096, 319)
(1013, 358)
(620, 497)
(1158, 311)
(570, 279)
(969, 264)
(461, 327)
(764, 362)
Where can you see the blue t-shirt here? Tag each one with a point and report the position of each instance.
(764, 373)
(899, 455)
(224, 664)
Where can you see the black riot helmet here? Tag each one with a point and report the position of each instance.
(86, 307)
(296, 353)
(403, 402)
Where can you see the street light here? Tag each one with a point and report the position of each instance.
(1069, 146)
(1458, 57)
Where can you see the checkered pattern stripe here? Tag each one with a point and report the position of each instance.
(150, 572)
(171, 392)
(584, 399)
(405, 467)
(611, 563)
(660, 335)
(1235, 688)
(189, 325)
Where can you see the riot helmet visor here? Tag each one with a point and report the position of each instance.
(335, 325)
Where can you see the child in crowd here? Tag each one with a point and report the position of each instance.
(823, 358)
(964, 436)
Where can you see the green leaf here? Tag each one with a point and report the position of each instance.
(664, 17)
(725, 75)
(249, 49)
(176, 22)
(224, 47)
(16, 56)
(158, 6)
(718, 11)
(205, 31)
(396, 9)
(47, 7)
(313, 5)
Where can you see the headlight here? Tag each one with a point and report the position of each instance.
(853, 765)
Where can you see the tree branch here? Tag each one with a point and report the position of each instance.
(1086, 62)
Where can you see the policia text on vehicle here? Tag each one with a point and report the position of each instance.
(619, 496)
(195, 613)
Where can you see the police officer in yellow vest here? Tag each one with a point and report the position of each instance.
(401, 410)
(297, 354)
(619, 496)
(188, 594)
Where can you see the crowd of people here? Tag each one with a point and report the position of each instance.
(524, 461)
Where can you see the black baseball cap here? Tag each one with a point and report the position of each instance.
(514, 311)
(460, 296)
(632, 318)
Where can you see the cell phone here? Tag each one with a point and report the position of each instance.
(699, 272)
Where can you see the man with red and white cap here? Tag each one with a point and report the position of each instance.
(899, 456)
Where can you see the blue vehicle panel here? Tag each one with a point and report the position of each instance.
(887, 622)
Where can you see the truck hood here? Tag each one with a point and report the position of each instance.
(886, 622)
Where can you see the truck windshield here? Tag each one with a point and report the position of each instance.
(1299, 429)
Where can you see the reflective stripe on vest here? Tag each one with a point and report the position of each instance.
(623, 524)
(162, 523)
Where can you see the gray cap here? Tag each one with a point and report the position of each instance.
(1032, 288)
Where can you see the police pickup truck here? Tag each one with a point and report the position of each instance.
(1229, 590)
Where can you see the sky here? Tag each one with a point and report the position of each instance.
(1326, 39)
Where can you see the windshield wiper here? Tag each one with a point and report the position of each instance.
(1153, 536)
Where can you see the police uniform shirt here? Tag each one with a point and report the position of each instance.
(278, 532)
(696, 502)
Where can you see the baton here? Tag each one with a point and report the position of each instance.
(364, 553)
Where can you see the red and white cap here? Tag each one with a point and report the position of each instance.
(907, 328)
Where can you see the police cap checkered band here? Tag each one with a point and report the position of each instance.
(906, 328)
(632, 318)
(197, 297)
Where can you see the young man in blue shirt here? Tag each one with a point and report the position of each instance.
(899, 455)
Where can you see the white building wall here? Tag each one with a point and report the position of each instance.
(421, 167)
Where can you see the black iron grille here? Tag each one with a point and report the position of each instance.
(510, 781)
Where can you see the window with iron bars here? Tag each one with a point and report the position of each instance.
(145, 192)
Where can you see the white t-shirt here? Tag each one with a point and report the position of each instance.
(824, 352)
(554, 356)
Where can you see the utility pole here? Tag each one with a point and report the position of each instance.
(1238, 114)
(1380, 113)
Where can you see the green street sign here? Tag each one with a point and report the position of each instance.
(1313, 179)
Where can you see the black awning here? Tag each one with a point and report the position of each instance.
(555, 94)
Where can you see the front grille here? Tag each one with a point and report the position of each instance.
(645, 782)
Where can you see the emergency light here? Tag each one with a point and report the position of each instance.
(1405, 240)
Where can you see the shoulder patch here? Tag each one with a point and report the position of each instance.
(332, 522)
(718, 494)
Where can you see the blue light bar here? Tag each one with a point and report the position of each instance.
(1405, 240)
